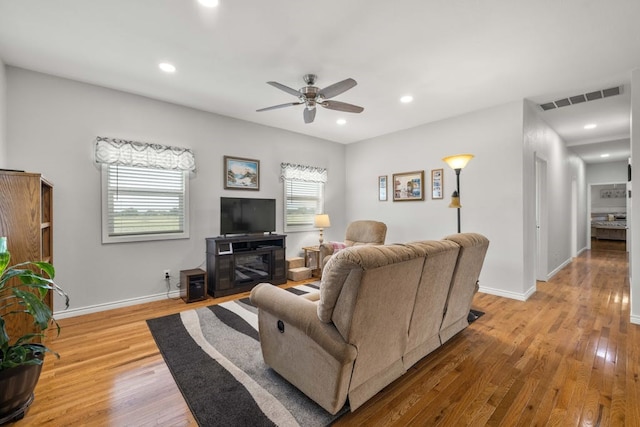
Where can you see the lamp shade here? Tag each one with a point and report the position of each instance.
(322, 221)
(455, 200)
(459, 161)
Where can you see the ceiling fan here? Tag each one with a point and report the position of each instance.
(311, 97)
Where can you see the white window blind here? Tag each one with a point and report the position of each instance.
(303, 201)
(303, 195)
(144, 204)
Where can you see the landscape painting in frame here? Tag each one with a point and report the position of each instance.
(241, 174)
(408, 186)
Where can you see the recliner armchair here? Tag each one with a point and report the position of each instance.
(361, 232)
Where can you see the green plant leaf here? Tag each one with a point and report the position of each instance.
(35, 307)
(25, 295)
(47, 268)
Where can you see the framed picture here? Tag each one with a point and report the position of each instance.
(382, 187)
(437, 183)
(613, 193)
(241, 174)
(408, 186)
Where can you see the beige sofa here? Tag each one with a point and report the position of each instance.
(380, 309)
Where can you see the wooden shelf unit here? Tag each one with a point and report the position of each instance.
(26, 219)
(237, 264)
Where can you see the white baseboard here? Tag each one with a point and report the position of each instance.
(512, 295)
(557, 270)
(635, 320)
(117, 304)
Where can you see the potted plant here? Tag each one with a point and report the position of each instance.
(21, 357)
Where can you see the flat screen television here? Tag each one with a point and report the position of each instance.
(247, 216)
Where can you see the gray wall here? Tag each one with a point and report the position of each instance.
(563, 167)
(607, 204)
(607, 173)
(491, 187)
(58, 120)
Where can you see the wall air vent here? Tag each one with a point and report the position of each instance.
(577, 99)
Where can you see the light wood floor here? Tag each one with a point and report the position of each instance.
(568, 356)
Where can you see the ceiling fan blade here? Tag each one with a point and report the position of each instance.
(288, 104)
(337, 88)
(285, 88)
(342, 106)
(309, 115)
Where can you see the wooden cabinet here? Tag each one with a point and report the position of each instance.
(26, 219)
(237, 264)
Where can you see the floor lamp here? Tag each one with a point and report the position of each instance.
(457, 163)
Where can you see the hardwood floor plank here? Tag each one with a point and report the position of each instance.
(567, 356)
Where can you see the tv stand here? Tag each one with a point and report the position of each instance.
(236, 264)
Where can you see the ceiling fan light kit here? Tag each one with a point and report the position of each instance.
(312, 96)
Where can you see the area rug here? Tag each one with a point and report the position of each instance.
(214, 356)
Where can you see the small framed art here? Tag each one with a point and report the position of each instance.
(408, 186)
(437, 183)
(241, 174)
(382, 188)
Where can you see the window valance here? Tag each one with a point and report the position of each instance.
(141, 154)
(303, 173)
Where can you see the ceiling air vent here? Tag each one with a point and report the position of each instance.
(611, 92)
(577, 99)
(591, 96)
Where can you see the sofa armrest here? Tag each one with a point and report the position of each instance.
(326, 249)
(302, 314)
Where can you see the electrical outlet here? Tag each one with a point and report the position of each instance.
(167, 274)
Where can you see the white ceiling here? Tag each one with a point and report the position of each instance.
(453, 57)
(611, 115)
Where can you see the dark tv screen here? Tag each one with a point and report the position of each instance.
(247, 216)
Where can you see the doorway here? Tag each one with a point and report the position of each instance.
(541, 219)
(608, 216)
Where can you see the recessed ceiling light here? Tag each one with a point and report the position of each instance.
(590, 126)
(406, 99)
(604, 155)
(167, 68)
(208, 3)
(341, 122)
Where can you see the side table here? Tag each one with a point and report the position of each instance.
(311, 252)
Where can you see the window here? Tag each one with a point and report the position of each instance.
(303, 195)
(145, 190)
(303, 200)
(144, 204)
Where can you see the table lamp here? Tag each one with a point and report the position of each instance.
(322, 221)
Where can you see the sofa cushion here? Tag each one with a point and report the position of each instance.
(431, 298)
(373, 309)
(464, 283)
(347, 266)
